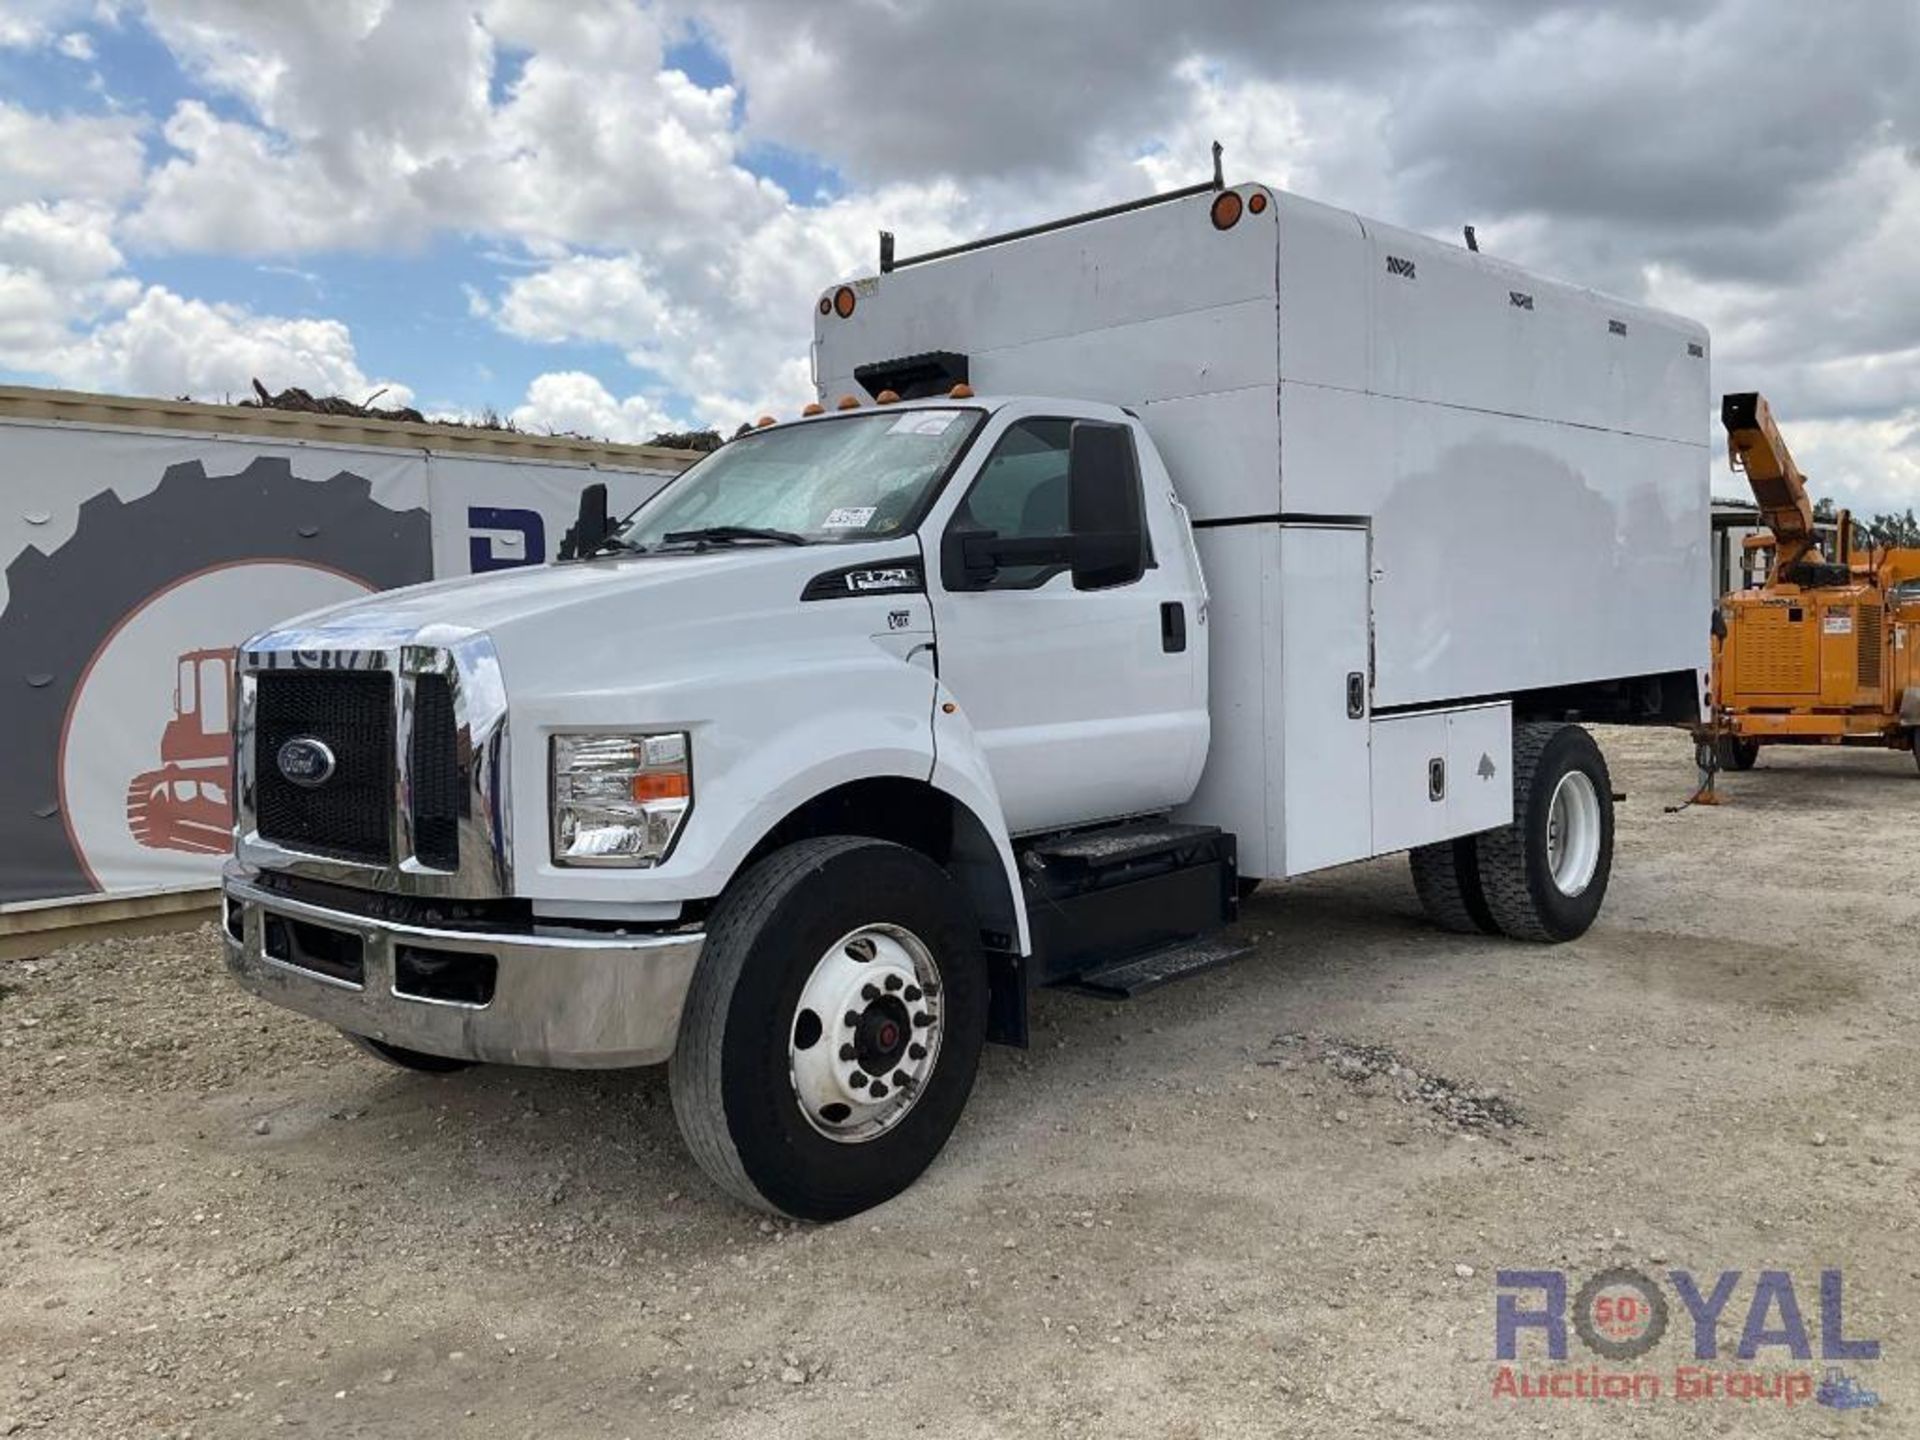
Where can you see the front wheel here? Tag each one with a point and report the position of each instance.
(1545, 875)
(1737, 752)
(833, 1028)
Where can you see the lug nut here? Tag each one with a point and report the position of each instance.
(847, 1052)
(869, 994)
(913, 994)
(916, 1052)
(923, 1019)
(852, 1017)
(877, 1090)
(902, 1079)
(894, 982)
(857, 1080)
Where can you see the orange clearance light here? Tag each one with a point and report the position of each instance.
(812, 407)
(764, 421)
(886, 397)
(962, 391)
(826, 304)
(1257, 202)
(848, 402)
(843, 301)
(660, 785)
(1226, 210)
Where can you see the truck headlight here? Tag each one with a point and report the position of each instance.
(619, 799)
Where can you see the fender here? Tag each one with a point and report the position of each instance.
(960, 770)
(861, 717)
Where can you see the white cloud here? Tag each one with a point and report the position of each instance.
(93, 157)
(75, 45)
(575, 403)
(67, 241)
(168, 344)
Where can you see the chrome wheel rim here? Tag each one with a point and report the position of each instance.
(1573, 833)
(865, 1035)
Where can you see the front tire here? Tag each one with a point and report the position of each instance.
(1546, 874)
(1737, 752)
(804, 1080)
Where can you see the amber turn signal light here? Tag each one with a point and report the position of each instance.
(1257, 202)
(660, 785)
(1226, 210)
(843, 301)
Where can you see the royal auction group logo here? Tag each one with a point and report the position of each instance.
(1621, 1315)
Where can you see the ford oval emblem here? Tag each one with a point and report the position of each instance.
(306, 761)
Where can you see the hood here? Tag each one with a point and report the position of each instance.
(609, 614)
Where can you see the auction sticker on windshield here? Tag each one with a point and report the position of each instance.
(848, 517)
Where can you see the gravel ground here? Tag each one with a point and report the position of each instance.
(1266, 1201)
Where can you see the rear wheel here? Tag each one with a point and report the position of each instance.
(1546, 874)
(1737, 752)
(834, 1025)
(1446, 876)
(404, 1059)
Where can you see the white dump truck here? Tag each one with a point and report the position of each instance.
(1125, 562)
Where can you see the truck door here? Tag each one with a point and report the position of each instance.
(1088, 704)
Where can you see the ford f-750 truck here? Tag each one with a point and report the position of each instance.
(1125, 562)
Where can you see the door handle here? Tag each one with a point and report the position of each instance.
(1173, 627)
(1356, 695)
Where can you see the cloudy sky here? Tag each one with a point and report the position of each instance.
(612, 217)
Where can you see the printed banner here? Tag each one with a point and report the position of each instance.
(135, 562)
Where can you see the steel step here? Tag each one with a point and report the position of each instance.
(1117, 845)
(1124, 979)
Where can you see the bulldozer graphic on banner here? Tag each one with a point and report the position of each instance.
(187, 802)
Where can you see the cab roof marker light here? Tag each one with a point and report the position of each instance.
(812, 407)
(764, 421)
(887, 397)
(848, 402)
(962, 391)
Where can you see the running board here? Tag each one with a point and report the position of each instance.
(1125, 979)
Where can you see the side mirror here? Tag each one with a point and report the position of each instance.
(590, 526)
(1103, 507)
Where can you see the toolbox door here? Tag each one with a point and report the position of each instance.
(1325, 676)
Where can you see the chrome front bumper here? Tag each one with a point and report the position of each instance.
(564, 1001)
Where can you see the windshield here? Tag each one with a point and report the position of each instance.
(858, 477)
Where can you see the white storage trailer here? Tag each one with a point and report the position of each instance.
(1126, 561)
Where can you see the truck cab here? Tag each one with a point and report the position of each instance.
(801, 777)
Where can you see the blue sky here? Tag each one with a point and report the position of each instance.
(407, 307)
(613, 216)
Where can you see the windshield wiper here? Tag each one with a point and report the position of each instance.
(728, 534)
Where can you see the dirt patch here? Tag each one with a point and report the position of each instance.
(1380, 1070)
(216, 1219)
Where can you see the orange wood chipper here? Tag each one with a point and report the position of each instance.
(1827, 650)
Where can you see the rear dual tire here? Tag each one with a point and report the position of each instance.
(1544, 876)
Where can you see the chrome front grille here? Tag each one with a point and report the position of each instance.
(415, 801)
(349, 814)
